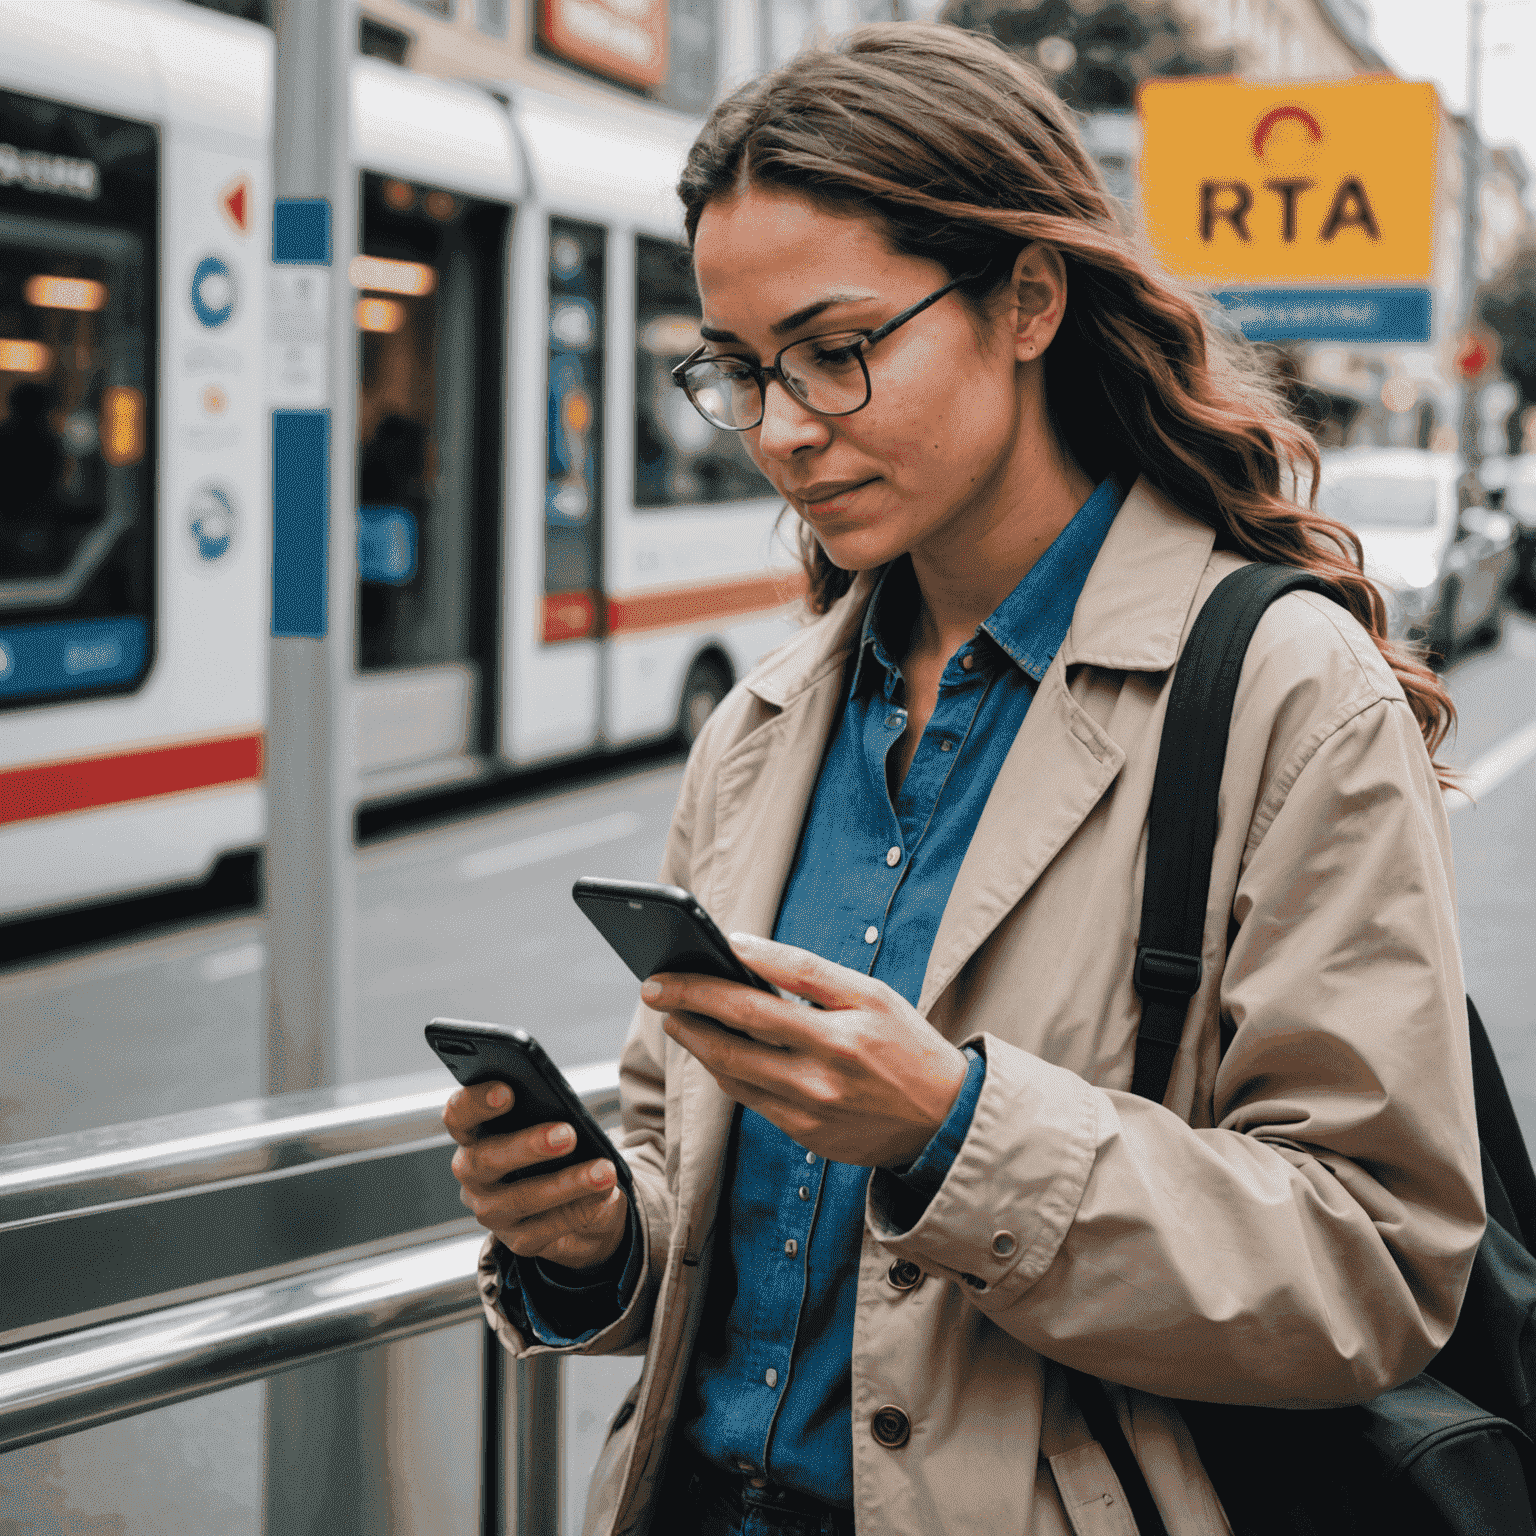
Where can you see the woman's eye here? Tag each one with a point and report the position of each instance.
(834, 355)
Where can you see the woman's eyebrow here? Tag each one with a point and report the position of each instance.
(800, 317)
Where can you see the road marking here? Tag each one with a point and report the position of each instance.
(548, 845)
(1493, 767)
(227, 964)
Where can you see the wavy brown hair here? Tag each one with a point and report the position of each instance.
(963, 156)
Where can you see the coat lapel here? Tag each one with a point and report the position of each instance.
(1131, 616)
(1060, 763)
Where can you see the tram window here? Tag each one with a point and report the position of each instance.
(680, 460)
(574, 470)
(77, 329)
(428, 314)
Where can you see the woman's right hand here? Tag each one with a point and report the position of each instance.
(576, 1217)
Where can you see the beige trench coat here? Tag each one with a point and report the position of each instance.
(1295, 1227)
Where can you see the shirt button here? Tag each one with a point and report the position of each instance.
(810, 1157)
(890, 1427)
(946, 745)
(893, 721)
(771, 1376)
(791, 1247)
(804, 1191)
(893, 857)
(871, 934)
(967, 661)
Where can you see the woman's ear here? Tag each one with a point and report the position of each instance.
(1039, 289)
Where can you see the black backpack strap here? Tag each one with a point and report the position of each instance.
(1181, 827)
(1503, 1144)
(1181, 839)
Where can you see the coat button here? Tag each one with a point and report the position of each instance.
(1003, 1244)
(890, 1427)
(904, 1275)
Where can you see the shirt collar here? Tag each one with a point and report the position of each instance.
(1029, 624)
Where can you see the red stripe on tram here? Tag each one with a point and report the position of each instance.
(85, 784)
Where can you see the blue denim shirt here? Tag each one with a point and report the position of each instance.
(772, 1367)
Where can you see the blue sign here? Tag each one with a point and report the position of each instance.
(212, 521)
(1329, 314)
(213, 291)
(69, 656)
(386, 545)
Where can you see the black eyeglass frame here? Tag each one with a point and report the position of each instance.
(763, 376)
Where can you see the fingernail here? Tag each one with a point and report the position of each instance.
(602, 1173)
(650, 990)
(561, 1136)
(499, 1096)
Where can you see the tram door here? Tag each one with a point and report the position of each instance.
(429, 284)
(77, 327)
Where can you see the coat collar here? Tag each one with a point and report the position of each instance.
(1136, 601)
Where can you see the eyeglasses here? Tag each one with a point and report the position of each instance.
(826, 374)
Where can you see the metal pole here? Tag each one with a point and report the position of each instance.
(310, 869)
(325, 1434)
(1472, 163)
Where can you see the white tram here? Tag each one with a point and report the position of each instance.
(556, 555)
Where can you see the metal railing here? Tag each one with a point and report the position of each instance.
(149, 1263)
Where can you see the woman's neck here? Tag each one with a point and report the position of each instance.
(984, 554)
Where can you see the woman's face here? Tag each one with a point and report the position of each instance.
(922, 462)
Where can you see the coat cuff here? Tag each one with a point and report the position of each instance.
(1006, 1203)
(562, 1312)
(925, 1173)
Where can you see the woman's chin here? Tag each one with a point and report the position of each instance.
(858, 549)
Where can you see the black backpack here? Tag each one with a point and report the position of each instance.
(1450, 1452)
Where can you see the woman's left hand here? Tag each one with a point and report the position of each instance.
(865, 1079)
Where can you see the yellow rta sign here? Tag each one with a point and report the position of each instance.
(1284, 184)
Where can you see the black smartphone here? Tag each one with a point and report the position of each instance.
(493, 1053)
(661, 928)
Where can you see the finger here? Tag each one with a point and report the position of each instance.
(469, 1108)
(487, 1159)
(575, 1219)
(504, 1205)
(805, 975)
(768, 1019)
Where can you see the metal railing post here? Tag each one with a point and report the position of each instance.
(539, 1450)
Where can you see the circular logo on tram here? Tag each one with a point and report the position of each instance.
(212, 521)
(213, 291)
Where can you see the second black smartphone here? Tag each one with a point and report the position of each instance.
(661, 928)
(486, 1053)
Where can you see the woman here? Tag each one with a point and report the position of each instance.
(864, 1240)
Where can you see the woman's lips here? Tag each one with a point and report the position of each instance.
(825, 494)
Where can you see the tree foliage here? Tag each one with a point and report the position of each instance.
(1507, 306)
(1113, 44)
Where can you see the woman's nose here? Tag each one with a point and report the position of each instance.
(787, 425)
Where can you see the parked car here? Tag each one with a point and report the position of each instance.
(1517, 476)
(1442, 556)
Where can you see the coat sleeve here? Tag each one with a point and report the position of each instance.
(1310, 1247)
(643, 1095)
